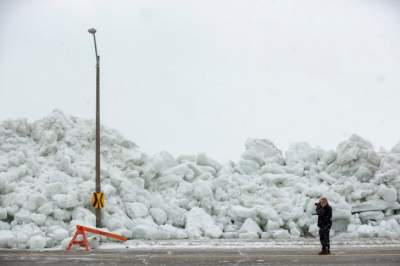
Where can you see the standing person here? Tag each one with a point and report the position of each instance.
(324, 212)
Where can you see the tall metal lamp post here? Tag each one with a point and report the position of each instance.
(98, 188)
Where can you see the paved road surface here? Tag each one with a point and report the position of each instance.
(344, 255)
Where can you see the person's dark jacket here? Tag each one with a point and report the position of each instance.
(324, 216)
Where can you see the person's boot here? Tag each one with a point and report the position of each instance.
(328, 251)
(323, 252)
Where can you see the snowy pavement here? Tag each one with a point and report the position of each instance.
(301, 243)
(251, 253)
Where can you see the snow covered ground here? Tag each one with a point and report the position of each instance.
(47, 177)
(299, 243)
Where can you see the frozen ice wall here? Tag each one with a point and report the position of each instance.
(47, 176)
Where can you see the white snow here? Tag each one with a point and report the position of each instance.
(7, 239)
(250, 230)
(280, 234)
(47, 177)
(37, 242)
(199, 224)
(159, 215)
(136, 210)
(60, 234)
(147, 231)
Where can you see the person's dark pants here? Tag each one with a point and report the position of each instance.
(324, 237)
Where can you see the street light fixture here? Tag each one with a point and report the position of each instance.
(98, 187)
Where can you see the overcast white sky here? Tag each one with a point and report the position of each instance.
(203, 76)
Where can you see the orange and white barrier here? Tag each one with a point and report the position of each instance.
(82, 230)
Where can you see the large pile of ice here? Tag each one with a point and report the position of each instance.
(47, 176)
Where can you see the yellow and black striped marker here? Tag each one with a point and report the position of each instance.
(98, 200)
